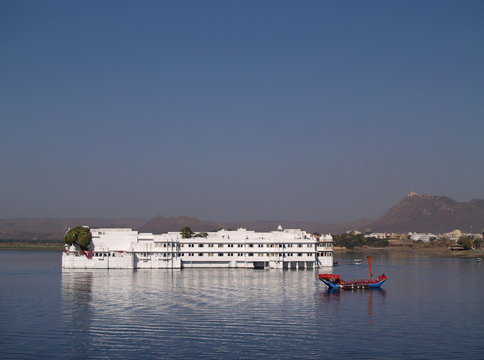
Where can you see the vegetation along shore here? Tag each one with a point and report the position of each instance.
(439, 249)
(13, 245)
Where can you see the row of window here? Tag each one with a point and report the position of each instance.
(250, 245)
(166, 254)
(170, 245)
(262, 237)
(242, 254)
(157, 244)
(323, 253)
(99, 254)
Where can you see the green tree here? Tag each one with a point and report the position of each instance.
(84, 240)
(477, 243)
(71, 237)
(372, 241)
(351, 240)
(186, 232)
(80, 236)
(466, 242)
(200, 235)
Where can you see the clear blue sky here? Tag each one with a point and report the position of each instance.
(238, 110)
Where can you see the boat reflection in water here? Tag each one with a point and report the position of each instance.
(334, 297)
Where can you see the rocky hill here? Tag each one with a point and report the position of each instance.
(429, 213)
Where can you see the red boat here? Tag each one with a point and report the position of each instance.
(335, 281)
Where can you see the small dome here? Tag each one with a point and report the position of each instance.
(72, 248)
(279, 228)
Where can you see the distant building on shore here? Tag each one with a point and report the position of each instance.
(424, 237)
(452, 235)
(387, 236)
(354, 232)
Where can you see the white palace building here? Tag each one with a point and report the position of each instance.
(127, 249)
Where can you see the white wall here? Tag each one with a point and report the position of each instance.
(114, 239)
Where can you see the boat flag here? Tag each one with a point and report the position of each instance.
(369, 264)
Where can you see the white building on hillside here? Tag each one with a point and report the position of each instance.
(376, 235)
(126, 248)
(452, 235)
(425, 237)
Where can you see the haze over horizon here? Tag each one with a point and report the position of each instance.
(227, 111)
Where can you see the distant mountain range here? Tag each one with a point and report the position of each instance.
(416, 212)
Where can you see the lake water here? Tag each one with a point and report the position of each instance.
(428, 308)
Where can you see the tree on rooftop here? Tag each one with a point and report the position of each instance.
(186, 232)
(200, 235)
(80, 236)
(71, 237)
(84, 240)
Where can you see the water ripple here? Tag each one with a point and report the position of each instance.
(239, 314)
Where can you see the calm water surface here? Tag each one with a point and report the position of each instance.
(429, 308)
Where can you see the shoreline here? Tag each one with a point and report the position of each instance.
(437, 251)
(22, 246)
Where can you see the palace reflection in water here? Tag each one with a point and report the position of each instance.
(47, 313)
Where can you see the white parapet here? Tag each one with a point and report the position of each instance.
(97, 260)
